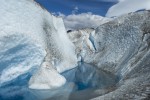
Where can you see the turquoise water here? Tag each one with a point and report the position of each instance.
(82, 77)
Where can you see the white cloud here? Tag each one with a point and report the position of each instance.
(75, 10)
(83, 20)
(110, 0)
(126, 6)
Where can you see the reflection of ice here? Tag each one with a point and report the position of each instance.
(85, 76)
(17, 92)
(64, 90)
(88, 76)
(27, 36)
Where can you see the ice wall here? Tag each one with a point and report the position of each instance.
(122, 48)
(29, 37)
(84, 43)
(118, 41)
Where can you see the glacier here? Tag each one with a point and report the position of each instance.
(40, 60)
(83, 41)
(46, 78)
(121, 7)
(124, 50)
(119, 47)
(30, 38)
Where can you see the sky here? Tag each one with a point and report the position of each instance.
(78, 14)
(67, 7)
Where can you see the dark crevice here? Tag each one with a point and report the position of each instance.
(91, 38)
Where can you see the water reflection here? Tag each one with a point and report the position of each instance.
(82, 79)
(89, 76)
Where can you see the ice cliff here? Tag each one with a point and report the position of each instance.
(123, 47)
(84, 43)
(30, 37)
(120, 47)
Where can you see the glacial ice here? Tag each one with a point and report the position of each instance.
(18, 56)
(46, 78)
(121, 48)
(127, 6)
(84, 43)
(29, 37)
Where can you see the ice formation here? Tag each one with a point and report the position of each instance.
(121, 47)
(127, 6)
(46, 78)
(29, 35)
(83, 42)
(32, 38)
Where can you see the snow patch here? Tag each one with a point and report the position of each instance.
(127, 6)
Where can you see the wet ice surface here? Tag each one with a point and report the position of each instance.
(84, 77)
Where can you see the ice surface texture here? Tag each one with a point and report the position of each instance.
(123, 47)
(46, 78)
(83, 42)
(30, 36)
(120, 47)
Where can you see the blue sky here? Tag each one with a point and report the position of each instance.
(68, 7)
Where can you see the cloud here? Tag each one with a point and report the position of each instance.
(127, 6)
(109, 0)
(75, 10)
(83, 20)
